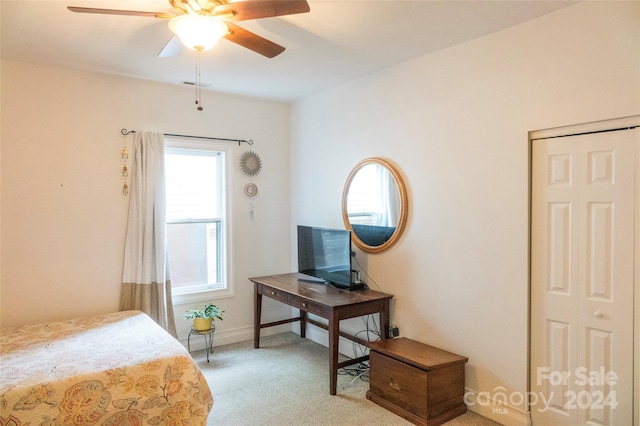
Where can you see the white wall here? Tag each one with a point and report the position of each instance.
(456, 123)
(63, 215)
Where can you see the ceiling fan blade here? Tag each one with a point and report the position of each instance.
(255, 9)
(172, 48)
(161, 15)
(253, 41)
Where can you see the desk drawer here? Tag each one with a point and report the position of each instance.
(307, 306)
(274, 293)
(398, 383)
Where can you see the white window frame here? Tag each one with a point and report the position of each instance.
(228, 290)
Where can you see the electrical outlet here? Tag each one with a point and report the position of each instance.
(394, 331)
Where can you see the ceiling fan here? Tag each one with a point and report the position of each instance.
(201, 23)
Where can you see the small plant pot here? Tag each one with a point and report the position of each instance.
(202, 324)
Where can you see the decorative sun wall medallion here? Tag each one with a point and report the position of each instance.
(250, 163)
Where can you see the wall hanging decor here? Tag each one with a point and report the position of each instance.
(250, 163)
(250, 190)
(124, 154)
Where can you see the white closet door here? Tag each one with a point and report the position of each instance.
(582, 260)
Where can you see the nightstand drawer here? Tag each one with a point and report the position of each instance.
(274, 293)
(306, 305)
(398, 383)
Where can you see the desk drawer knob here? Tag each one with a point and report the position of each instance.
(304, 305)
(273, 293)
(394, 385)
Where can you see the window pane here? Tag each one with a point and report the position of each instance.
(364, 204)
(193, 254)
(192, 184)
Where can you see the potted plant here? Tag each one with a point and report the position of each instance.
(203, 318)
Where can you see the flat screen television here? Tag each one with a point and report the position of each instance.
(326, 254)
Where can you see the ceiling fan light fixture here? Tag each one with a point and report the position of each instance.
(198, 32)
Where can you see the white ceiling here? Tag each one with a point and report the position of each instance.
(337, 41)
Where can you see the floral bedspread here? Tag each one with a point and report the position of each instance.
(113, 369)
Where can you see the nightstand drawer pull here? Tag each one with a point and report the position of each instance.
(273, 293)
(304, 305)
(394, 385)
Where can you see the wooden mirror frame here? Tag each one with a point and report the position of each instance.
(404, 207)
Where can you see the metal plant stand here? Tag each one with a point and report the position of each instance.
(208, 339)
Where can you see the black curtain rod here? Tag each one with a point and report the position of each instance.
(125, 132)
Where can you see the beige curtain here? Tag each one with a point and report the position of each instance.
(145, 280)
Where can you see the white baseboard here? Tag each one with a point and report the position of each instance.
(237, 335)
(496, 411)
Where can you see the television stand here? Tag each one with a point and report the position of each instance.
(325, 301)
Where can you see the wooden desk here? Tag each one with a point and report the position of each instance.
(324, 301)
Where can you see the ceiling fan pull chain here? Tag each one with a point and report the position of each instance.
(198, 82)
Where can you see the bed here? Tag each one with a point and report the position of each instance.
(112, 369)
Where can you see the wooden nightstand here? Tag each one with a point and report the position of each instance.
(423, 384)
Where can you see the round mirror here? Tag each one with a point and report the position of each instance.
(374, 205)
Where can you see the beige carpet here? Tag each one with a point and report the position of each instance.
(286, 382)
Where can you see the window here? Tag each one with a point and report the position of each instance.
(197, 220)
